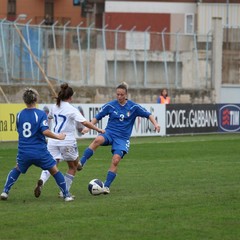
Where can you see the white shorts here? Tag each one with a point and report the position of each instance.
(64, 153)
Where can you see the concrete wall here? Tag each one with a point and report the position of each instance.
(230, 94)
(191, 74)
(100, 94)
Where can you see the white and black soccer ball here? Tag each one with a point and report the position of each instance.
(95, 187)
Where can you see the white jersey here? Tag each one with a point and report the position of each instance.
(65, 118)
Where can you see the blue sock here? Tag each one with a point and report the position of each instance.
(110, 177)
(11, 179)
(86, 155)
(60, 180)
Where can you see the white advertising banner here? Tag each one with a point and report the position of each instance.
(142, 126)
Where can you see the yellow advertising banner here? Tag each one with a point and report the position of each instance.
(8, 113)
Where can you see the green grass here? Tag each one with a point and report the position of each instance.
(172, 188)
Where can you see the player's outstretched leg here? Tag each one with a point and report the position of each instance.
(110, 178)
(11, 179)
(86, 155)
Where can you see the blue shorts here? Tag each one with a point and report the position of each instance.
(119, 146)
(45, 161)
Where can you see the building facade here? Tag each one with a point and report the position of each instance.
(38, 10)
(187, 17)
(147, 43)
(184, 16)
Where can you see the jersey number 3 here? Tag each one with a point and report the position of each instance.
(121, 118)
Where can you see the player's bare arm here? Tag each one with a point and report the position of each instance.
(48, 133)
(86, 129)
(91, 125)
(154, 122)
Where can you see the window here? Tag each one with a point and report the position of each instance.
(11, 7)
(49, 10)
(76, 2)
(189, 23)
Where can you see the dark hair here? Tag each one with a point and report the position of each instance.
(65, 93)
(163, 90)
(30, 96)
(123, 86)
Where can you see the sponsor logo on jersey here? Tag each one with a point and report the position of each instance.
(45, 123)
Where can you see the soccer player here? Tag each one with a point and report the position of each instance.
(122, 114)
(66, 117)
(32, 127)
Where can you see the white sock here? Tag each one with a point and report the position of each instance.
(45, 176)
(69, 179)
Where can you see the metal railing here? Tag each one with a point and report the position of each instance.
(89, 56)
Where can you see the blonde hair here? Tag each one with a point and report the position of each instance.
(30, 96)
(124, 86)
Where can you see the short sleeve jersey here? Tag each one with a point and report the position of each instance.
(31, 123)
(65, 118)
(121, 118)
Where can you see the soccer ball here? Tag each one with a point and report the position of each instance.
(95, 187)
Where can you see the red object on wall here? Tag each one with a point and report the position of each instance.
(141, 21)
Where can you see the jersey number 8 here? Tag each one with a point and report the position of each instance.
(27, 129)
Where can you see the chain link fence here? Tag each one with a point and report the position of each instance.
(103, 57)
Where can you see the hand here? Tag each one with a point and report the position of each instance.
(101, 130)
(85, 130)
(157, 128)
(61, 136)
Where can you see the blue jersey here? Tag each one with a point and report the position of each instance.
(31, 122)
(121, 118)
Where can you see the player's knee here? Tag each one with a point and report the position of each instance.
(72, 166)
(98, 141)
(116, 159)
(53, 170)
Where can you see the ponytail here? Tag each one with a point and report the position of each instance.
(65, 93)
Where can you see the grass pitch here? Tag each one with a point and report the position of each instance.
(167, 188)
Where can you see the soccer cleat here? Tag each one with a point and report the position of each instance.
(106, 190)
(79, 166)
(4, 196)
(38, 188)
(60, 195)
(68, 199)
